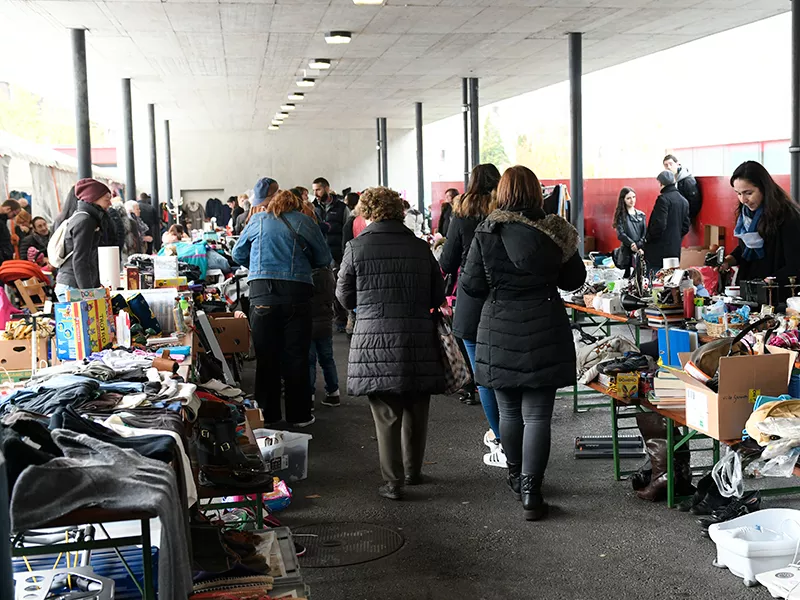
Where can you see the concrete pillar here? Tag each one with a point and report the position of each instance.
(576, 133)
(82, 135)
(127, 134)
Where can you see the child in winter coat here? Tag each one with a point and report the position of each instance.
(322, 336)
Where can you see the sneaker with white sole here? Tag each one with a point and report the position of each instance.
(490, 440)
(496, 459)
(305, 423)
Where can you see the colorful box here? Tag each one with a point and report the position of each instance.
(75, 295)
(132, 277)
(73, 340)
(628, 385)
(172, 282)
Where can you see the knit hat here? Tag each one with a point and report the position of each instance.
(90, 190)
(666, 178)
(261, 189)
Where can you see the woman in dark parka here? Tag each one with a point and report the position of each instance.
(393, 279)
(518, 260)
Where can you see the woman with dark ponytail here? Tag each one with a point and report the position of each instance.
(631, 227)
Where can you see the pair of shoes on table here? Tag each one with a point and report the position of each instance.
(738, 507)
(391, 491)
(496, 458)
(332, 399)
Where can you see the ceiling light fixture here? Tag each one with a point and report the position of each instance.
(306, 82)
(369, 2)
(278, 118)
(287, 107)
(281, 115)
(276, 123)
(338, 37)
(320, 64)
(274, 127)
(296, 96)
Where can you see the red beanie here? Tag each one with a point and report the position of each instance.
(90, 190)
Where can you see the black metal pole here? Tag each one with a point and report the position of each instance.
(576, 133)
(384, 152)
(794, 148)
(151, 119)
(465, 110)
(380, 153)
(82, 135)
(474, 124)
(127, 134)
(168, 152)
(420, 175)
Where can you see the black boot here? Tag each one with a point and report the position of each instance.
(514, 480)
(216, 441)
(533, 504)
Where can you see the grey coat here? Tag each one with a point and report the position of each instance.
(394, 281)
(82, 239)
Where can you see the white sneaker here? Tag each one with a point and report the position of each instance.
(490, 440)
(496, 458)
(305, 424)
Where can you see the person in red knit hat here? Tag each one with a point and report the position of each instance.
(82, 238)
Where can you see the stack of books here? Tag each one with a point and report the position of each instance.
(668, 391)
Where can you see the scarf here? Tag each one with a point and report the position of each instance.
(747, 231)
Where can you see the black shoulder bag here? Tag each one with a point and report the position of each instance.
(299, 239)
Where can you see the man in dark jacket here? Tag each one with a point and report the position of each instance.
(393, 278)
(687, 184)
(334, 213)
(38, 239)
(151, 218)
(669, 223)
(8, 210)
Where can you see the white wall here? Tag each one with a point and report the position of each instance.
(234, 161)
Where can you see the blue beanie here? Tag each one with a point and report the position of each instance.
(261, 189)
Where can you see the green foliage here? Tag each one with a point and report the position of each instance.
(492, 149)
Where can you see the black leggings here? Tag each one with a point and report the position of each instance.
(525, 416)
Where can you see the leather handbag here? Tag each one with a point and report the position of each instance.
(622, 259)
(456, 372)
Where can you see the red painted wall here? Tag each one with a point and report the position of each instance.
(438, 188)
(600, 200)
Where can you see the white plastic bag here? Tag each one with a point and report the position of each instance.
(727, 474)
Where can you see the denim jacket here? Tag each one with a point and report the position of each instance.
(270, 251)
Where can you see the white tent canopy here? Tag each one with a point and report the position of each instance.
(53, 173)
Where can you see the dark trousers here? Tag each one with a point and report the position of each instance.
(322, 350)
(401, 426)
(282, 335)
(339, 311)
(525, 416)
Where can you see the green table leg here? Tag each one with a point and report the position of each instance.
(615, 438)
(147, 562)
(670, 463)
(716, 451)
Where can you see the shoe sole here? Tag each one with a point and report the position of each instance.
(532, 515)
(331, 403)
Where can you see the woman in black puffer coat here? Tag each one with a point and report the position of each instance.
(518, 259)
(394, 280)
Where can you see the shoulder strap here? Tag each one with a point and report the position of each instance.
(297, 237)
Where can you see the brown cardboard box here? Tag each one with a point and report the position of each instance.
(233, 334)
(589, 244)
(714, 235)
(722, 415)
(693, 257)
(15, 355)
(255, 418)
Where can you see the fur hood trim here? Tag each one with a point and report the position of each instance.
(556, 228)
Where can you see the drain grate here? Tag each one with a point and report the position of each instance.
(342, 544)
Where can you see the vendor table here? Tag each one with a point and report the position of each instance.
(99, 516)
(600, 321)
(627, 408)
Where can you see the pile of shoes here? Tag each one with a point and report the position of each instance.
(225, 455)
(650, 481)
(712, 507)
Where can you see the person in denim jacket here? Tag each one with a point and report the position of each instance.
(280, 246)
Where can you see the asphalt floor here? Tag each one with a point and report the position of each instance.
(465, 536)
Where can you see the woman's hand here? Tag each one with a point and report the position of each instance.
(727, 264)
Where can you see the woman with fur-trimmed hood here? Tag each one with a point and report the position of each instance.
(518, 260)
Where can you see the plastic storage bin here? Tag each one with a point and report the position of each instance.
(289, 457)
(756, 543)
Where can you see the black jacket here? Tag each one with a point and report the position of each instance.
(112, 229)
(82, 239)
(781, 255)
(335, 215)
(347, 232)
(34, 240)
(632, 230)
(687, 186)
(444, 219)
(322, 303)
(152, 218)
(6, 247)
(515, 265)
(393, 279)
(669, 222)
(454, 256)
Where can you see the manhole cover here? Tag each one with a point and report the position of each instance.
(342, 544)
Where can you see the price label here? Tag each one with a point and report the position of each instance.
(754, 394)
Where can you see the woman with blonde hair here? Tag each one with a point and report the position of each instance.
(393, 279)
(281, 246)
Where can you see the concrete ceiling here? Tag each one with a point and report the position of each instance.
(230, 65)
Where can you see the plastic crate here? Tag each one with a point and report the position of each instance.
(287, 459)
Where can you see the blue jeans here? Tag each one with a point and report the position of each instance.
(61, 291)
(322, 349)
(488, 400)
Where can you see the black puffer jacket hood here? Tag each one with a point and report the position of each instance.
(525, 252)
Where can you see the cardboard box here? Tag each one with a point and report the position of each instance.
(628, 384)
(255, 418)
(75, 295)
(693, 257)
(73, 341)
(172, 282)
(15, 355)
(722, 415)
(233, 334)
